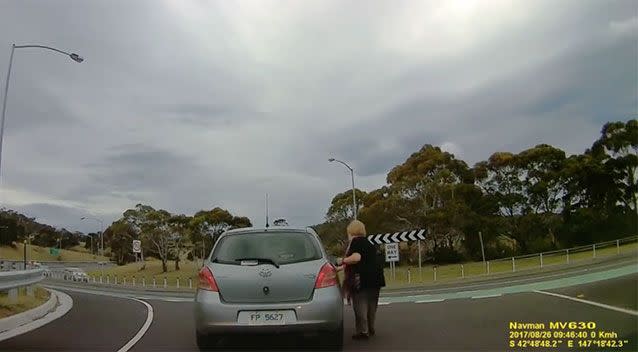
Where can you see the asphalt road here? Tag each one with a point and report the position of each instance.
(95, 323)
(102, 323)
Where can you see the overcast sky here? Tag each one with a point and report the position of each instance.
(187, 105)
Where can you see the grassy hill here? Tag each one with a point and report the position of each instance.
(42, 254)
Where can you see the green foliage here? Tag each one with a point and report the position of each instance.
(341, 208)
(9, 230)
(168, 236)
(537, 200)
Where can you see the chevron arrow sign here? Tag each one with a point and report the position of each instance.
(396, 237)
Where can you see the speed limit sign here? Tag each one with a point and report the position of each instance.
(137, 246)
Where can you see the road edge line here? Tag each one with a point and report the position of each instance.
(64, 305)
(487, 296)
(430, 301)
(143, 329)
(601, 305)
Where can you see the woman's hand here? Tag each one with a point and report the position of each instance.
(340, 268)
(339, 261)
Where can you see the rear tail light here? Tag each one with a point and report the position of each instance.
(327, 276)
(207, 280)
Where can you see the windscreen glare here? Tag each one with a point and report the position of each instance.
(280, 247)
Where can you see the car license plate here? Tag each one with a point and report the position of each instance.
(266, 317)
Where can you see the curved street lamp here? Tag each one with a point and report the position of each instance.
(354, 197)
(75, 57)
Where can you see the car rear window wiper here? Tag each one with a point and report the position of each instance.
(259, 260)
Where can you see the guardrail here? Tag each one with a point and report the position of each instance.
(11, 264)
(12, 281)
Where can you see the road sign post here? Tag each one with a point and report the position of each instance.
(137, 246)
(418, 244)
(392, 256)
(392, 252)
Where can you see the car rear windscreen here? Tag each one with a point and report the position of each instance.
(280, 247)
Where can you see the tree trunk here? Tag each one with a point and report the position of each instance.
(164, 266)
(177, 256)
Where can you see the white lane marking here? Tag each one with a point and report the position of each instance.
(176, 299)
(143, 329)
(65, 304)
(601, 305)
(383, 303)
(487, 296)
(430, 301)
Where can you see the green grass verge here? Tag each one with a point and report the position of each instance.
(499, 266)
(152, 270)
(24, 301)
(42, 254)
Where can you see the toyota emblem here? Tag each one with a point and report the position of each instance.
(265, 273)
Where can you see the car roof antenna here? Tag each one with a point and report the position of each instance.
(267, 225)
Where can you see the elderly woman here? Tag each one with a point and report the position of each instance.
(363, 279)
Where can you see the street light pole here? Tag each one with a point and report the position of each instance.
(75, 57)
(354, 196)
(101, 231)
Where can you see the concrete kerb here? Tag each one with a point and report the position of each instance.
(59, 303)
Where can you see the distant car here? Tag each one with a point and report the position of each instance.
(75, 274)
(268, 280)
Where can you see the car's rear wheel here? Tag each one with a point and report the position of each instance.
(206, 342)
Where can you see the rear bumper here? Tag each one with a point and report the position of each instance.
(324, 312)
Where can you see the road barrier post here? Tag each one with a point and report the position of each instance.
(568, 256)
(164, 281)
(190, 283)
(541, 260)
(100, 278)
(154, 283)
(124, 281)
(108, 279)
(13, 295)
(409, 276)
(418, 243)
(434, 273)
(594, 247)
(617, 246)
(178, 282)
(488, 268)
(143, 281)
(513, 265)
(94, 279)
(462, 271)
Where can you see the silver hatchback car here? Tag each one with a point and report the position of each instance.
(267, 281)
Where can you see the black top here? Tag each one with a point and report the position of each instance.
(370, 268)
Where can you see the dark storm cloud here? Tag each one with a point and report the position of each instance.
(141, 168)
(186, 105)
(61, 216)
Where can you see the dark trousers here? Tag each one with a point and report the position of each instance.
(364, 304)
